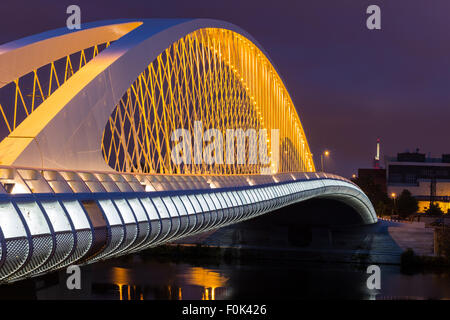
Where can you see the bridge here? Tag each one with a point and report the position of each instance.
(112, 141)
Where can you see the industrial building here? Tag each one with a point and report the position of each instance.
(427, 178)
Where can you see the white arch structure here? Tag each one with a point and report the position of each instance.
(60, 203)
(66, 130)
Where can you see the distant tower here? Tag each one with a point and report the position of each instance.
(376, 162)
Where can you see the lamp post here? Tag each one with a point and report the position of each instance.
(394, 197)
(326, 153)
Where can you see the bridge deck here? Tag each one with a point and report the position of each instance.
(50, 219)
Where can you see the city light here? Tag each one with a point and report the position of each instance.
(326, 153)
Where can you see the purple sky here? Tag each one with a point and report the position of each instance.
(350, 84)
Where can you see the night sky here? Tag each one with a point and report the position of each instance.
(350, 84)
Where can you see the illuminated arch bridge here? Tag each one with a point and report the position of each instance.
(128, 134)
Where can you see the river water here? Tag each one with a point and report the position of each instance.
(134, 278)
(149, 276)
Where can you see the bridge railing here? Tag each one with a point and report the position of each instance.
(24, 180)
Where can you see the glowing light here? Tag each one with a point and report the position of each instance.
(19, 188)
(212, 185)
(206, 278)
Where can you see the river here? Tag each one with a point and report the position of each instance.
(133, 278)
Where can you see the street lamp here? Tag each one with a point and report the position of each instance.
(394, 197)
(326, 153)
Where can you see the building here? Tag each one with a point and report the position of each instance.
(377, 176)
(428, 179)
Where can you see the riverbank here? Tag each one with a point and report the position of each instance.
(381, 243)
(411, 262)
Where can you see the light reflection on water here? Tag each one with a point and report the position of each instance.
(136, 279)
(208, 279)
(188, 282)
(121, 279)
(289, 280)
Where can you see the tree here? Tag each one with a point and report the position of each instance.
(406, 204)
(380, 200)
(434, 210)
